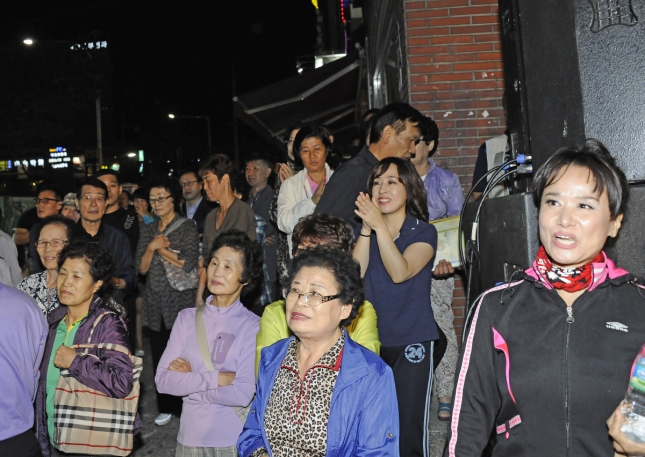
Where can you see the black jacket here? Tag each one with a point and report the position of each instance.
(341, 192)
(201, 212)
(542, 384)
(116, 243)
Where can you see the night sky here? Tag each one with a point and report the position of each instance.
(177, 58)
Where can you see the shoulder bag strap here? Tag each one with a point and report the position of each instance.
(174, 226)
(200, 329)
(202, 341)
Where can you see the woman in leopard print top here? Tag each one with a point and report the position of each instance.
(319, 393)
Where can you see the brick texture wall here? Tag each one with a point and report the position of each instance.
(456, 76)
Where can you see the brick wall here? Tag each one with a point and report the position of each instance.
(456, 76)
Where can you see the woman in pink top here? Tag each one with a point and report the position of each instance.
(214, 400)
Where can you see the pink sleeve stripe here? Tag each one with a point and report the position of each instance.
(459, 391)
(500, 344)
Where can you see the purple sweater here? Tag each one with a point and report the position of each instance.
(207, 419)
(445, 195)
(23, 330)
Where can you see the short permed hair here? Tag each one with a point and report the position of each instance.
(594, 156)
(346, 272)
(99, 260)
(323, 229)
(171, 185)
(220, 165)
(251, 252)
(394, 115)
(429, 132)
(72, 229)
(312, 131)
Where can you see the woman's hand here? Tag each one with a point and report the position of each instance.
(285, 172)
(180, 365)
(159, 242)
(319, 191)
(622, 444)
(225, 378)
(369, 212)
(64, 356)
(443, 270)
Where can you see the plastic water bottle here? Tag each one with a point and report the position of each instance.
(634, 406)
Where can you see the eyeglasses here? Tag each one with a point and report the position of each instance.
(44, 201)
(89, 198)
(53, 243)
(311, 298)
(187, 183)
(154, 201)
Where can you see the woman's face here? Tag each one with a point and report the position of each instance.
(574, 220)
(314, 322)
(52, 239)
(161, 208)
(75, 284)
(141, 206)
(389, 191)
(313, 153)
(225, 272)
(292, 137)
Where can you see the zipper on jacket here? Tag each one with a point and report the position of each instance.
(570, 321)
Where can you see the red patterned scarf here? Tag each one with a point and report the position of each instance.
(567, 279)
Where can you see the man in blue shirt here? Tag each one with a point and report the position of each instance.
(23, 331)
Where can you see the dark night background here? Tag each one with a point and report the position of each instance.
(175, 58)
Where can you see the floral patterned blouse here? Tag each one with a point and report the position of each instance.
(36, 287)
(296, 416)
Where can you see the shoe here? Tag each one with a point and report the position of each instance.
(140, 353)
(163, 419)
(444, 408)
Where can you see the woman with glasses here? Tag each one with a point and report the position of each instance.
(55, 233)
(318, 392)
(178, 248)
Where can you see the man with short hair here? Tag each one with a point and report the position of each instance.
(257, 172)
(115, 216)
(195, 206)
(91, 200)
(394, 134)
(48, 203)
(23, 332)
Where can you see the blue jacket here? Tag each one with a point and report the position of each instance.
(364, 416)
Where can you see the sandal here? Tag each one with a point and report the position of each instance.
(444, 408)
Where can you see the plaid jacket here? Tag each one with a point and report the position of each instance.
(112, 374)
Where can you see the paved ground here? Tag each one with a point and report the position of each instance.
(156, 441)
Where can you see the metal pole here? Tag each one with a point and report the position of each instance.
(99, 136)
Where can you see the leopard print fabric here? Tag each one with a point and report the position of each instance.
(296, 416)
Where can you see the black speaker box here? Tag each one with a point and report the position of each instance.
(576, 70)
(509, 237)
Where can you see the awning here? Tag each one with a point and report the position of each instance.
(327, 95)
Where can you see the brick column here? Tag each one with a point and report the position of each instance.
(456, 76)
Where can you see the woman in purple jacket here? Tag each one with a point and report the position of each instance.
(218, 388)
(85, 273)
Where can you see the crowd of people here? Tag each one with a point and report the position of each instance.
(313, 317)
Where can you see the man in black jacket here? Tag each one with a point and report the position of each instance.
(91, 202)
(194, 206)
(394, 134)
(115, 216)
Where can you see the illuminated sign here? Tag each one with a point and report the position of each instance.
(141, 158)
(58, 157)
(90, 45)
(342, 10)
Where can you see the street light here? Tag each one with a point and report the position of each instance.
(132, 154)
(28, 41)
(208, 126)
